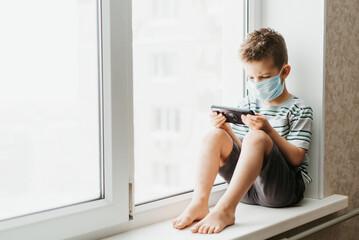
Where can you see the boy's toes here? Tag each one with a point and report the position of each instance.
(180, 223)
(184, 222)
(195, 228)
(174, 222)
(205, 229)
(211, 230)
(201, 229)
(217, 229)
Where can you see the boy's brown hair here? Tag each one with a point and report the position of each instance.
(263, 44)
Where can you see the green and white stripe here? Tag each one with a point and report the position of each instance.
(292, 120)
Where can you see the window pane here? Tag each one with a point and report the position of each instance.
(49, 105)
(180, 55)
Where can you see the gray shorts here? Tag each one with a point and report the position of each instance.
(278, 185)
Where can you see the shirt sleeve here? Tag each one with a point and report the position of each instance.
(300, 133)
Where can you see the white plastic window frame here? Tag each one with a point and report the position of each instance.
(115, 40)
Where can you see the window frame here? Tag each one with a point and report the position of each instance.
(115, 92)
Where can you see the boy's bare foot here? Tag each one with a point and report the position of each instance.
(194, 211)
(214, 222)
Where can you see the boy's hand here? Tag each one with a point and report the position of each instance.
(257, 122)
(219, 121)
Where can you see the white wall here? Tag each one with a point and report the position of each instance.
(302, 25)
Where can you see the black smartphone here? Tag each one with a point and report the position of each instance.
(233, 115)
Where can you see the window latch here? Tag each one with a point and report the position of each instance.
(130, 188)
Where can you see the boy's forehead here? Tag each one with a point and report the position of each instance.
(260, 67)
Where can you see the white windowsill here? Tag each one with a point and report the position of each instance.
(252, 222)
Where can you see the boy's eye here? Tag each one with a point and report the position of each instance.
(261, 77)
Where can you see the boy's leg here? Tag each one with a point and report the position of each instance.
(215, 149)
(256, 146)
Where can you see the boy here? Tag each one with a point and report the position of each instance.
(262, 160)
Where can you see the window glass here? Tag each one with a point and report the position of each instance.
(180, 51)
(49, 105)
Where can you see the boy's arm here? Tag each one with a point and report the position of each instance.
(292, 153)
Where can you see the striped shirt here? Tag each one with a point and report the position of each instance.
(291, 119)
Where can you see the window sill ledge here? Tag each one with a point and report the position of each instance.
(252, 222)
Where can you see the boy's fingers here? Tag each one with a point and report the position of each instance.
(251, 116)
(216, 120)
(216, 115)
(247, 120)
(222, 120)
(253, 123)
(244, 118)
(219, 115)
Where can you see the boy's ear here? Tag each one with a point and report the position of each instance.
(285, 71)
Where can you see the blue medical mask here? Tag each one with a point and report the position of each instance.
(268, 89)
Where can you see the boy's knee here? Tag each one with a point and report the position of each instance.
(217, 137)
(257, 137)
(216, 134)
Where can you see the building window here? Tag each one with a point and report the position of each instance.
(167, 120)
(164, 9)
(164, 64)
